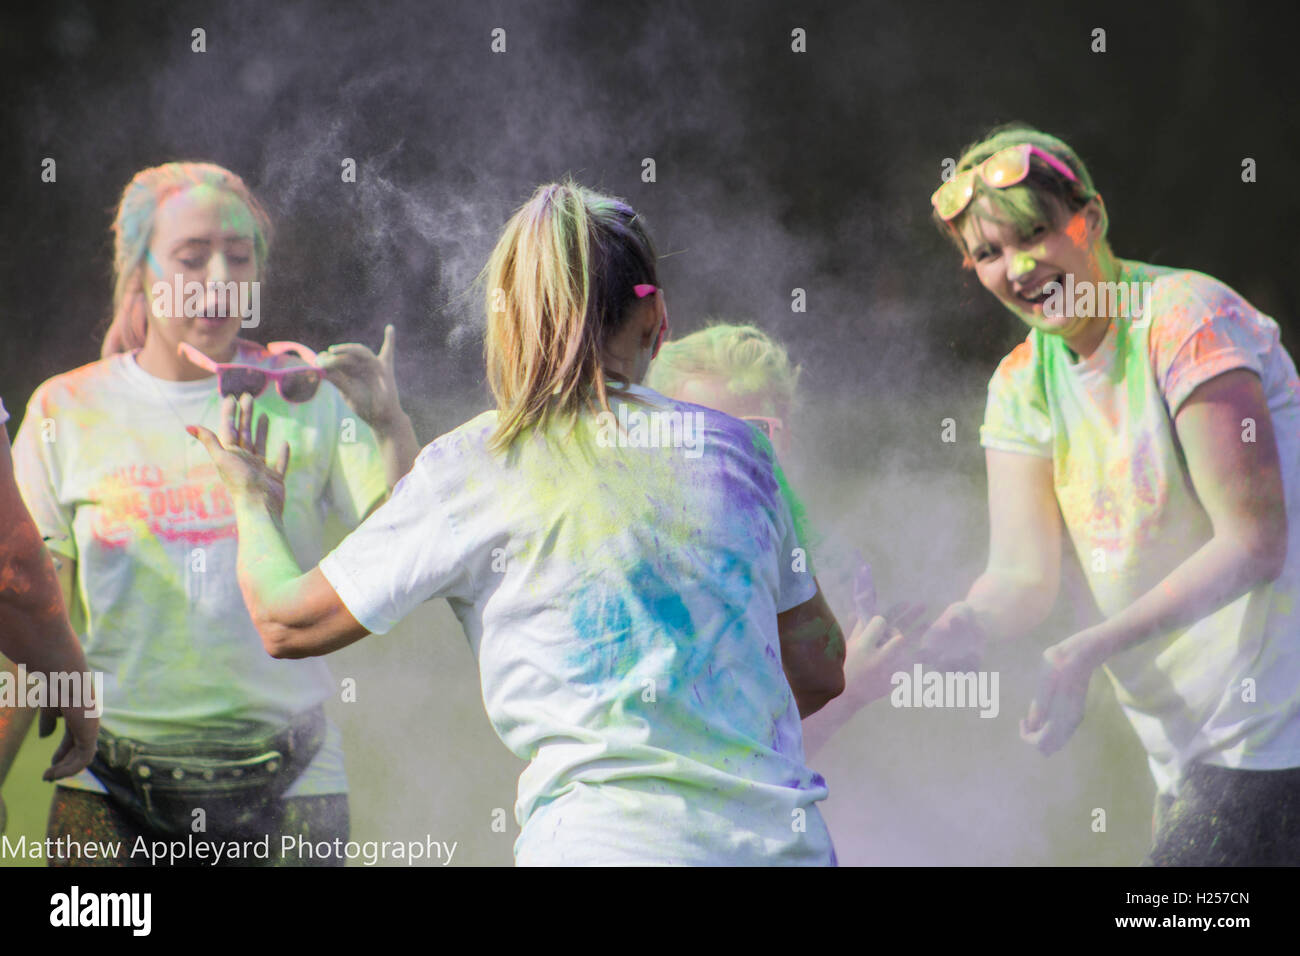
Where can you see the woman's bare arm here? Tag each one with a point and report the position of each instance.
(1239, 483)
(1020, 582)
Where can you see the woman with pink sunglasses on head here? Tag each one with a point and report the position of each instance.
(1154, 415)
(142, 532)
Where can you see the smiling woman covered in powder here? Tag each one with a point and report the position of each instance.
(630, 603)
(1155, 413)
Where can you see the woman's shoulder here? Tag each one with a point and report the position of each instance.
(466, 443)
(81, 385)
(1176, 293)
(1184, 303)
(1022, 367)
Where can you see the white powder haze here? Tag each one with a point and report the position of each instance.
(774, 171)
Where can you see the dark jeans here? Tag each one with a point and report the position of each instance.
(1225, 817)
(86, 817)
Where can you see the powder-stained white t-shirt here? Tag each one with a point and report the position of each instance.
(621, 603)
(115, 483)
(1225, 690)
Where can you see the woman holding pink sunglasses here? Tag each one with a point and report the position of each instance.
(1153, 414)
(199, 724)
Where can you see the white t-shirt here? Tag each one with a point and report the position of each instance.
(1107, 424)
(115, 483)
(621, 603)
(4, 415)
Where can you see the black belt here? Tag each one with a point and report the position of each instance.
(232, 782)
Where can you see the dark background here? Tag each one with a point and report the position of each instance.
(775, 170)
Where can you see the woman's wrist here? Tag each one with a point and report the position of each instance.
(972, 617)
(398, 447)
(1089, 648)
(255, 502)
(391, 424)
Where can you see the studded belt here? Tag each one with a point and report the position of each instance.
(163, 785)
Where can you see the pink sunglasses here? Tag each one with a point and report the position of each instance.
(768, 426)
(643, 289)
(1005, 168)
(296, 384)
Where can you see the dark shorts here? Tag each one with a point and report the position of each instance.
(82, 817)
(1225, 817)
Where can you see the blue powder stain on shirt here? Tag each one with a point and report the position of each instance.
(617, 629)
(660, 598)
(603, 624)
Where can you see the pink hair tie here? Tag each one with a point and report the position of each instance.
(642, 290)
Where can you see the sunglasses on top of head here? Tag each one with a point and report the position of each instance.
(1004, 169)
(297, 383)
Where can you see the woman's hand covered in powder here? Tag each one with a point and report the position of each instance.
(366, 380)
(1058, 705)
(240, 454)
(878, 649)
(954, 642)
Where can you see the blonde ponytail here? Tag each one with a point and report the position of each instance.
(558, 284)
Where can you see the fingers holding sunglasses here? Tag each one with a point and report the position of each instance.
(347, 366)
(366, 380)
(355, 361)
(347, 373)
(352, 356)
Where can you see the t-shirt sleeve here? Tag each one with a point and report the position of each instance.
(404, 554)
(1016, 418)
(796, 576)
(1201, 329)
(357, 478)
(36, 470)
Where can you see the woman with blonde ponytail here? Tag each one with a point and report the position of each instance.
(142, 532)
(625, 567)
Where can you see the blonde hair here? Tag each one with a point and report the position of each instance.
(133, 230)
(743, 357)
(558, 284)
